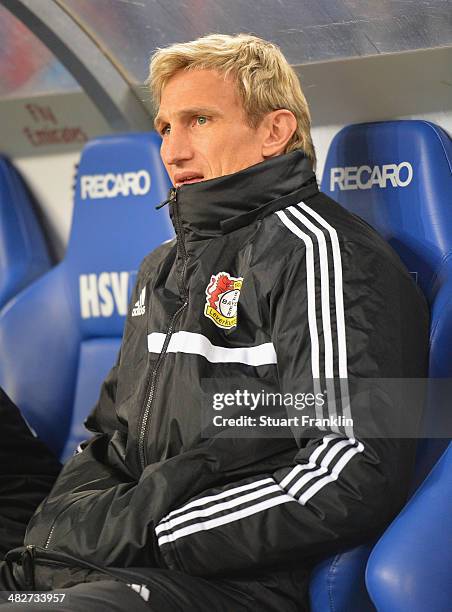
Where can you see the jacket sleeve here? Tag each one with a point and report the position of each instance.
(360, 317)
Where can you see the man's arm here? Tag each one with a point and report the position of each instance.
(337, 492)
(339, 489)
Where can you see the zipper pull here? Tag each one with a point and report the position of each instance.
(172, 197)
(28, 563)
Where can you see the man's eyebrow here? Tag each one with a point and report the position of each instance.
(194, 110)
(158, 121)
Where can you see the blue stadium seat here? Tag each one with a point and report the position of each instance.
(396, 175)
(60, 336)
(409, 570)
(23, 250)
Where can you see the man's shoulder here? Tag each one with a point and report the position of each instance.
(318, 223)
(354, 234)
(303, 223)
(321, 213)
(347, 226)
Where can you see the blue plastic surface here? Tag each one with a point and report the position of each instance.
(397, 176)
(410, 568)
(415, 216)
(337, 583)
(44, 331)
(95, 359)
(24, 254)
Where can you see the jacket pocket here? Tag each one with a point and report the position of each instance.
(35, 568)
(44, 543)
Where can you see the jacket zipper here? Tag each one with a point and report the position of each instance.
(52, 528)
(28, 566)
(147, 414)
(47, 542)
(172, 194)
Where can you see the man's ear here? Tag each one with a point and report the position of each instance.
(279, 127)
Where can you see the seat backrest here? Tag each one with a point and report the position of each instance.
(396, 175)
(65, 329)
(24, 254)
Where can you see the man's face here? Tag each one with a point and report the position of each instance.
(204, 129)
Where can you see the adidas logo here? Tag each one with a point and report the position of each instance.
(141, 589)
(139, 308)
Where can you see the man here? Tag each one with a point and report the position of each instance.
(268, 283)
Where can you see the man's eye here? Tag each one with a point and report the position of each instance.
(201, 120)
(165, 130)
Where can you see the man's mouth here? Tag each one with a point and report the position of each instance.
(187, 179)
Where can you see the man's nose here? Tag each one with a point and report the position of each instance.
(176, 147)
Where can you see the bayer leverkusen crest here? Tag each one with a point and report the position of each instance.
(223, 294)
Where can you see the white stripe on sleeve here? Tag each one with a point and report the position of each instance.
(312, 317)
(202, 501)
(322, 469)
(223, 520)
(326, 319)
(340, 314)
(337, 469)
(310, 464)
(181, 516)
(226, 505)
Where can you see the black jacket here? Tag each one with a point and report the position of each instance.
(269, 282)
(27, 472)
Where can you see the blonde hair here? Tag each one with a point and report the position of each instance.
(264, 79)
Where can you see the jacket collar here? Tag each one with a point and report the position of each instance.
(223, 204)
